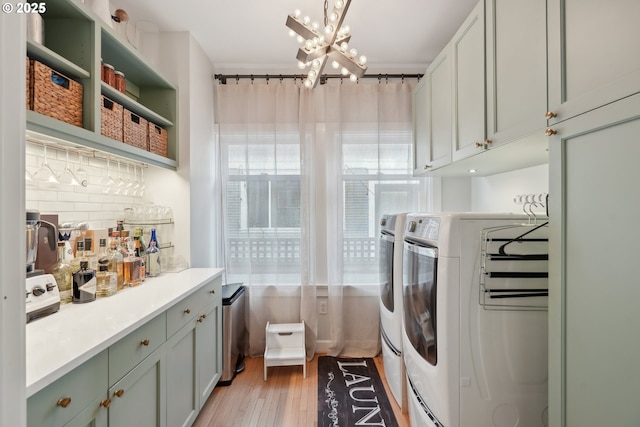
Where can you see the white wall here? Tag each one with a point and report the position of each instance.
(495, 193)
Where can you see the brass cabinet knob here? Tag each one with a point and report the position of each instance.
(201, 318)
(487, 141)
(105, 403)
(144, 342)
(64, 402)
(479, 144)
(427, 167)
(187, 311)
(118, 393)
(550, 132)
(212, 291)
(550, 115)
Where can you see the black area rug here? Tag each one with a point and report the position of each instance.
(351, 393)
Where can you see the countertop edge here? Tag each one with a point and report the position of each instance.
(170, 288)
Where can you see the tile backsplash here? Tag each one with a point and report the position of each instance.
(97, 203)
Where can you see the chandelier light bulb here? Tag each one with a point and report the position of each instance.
(335, 65)
(344, 71)
(308, 83)
(316, 63)
(315, 25)
(339, 4)
(353, 52)
(292, 33)
(346, 29)
(297, 13)
(306, 20)
(344, 46)
(328, 29)
(363, 60)
(308, 44)
(312, 74)
(300, 39)
(353, 78)
(301, 65)
(333, 17)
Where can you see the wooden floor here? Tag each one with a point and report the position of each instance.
(286, 399)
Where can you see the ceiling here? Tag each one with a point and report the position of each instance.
(250, 36)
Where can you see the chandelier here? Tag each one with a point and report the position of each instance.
(330, 43)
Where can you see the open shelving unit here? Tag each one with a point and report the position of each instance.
(76, 42)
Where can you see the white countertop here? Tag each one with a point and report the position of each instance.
(60, 342)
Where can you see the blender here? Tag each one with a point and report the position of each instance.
(42, 293)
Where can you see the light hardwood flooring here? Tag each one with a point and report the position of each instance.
(286, 399)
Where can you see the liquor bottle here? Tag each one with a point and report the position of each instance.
(106, 281)
(61, 271)
(116, 263)
(152, 262)
(84, 284)
(75, 262)
(131, 266)
(139, 251)
(101, 253)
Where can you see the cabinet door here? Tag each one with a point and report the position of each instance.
(440, 109)
(94, 415)
(421, 148)
(469, 86)
(516, 43)
(209, 350)
(593, 54)
(139, 398)
(182, 396)
(593, 297)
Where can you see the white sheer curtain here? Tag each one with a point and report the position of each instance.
(337, 157)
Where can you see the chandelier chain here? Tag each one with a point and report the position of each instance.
(326, 8)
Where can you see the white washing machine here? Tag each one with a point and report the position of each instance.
(475, 290)
(391, 239)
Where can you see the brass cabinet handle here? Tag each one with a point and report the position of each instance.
(64, 402)
(487, 141)
(550, 115)
(201, 318)
(118, 393)
(427, 167)
(144, 342)
(187, 311)
(550, 132)
(105, 403)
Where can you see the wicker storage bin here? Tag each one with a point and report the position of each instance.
(135, 130)
(157, 140)
(56, 95)
(29, 86)
(111, 119)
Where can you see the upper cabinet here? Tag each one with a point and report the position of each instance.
(516, 63)
(593, 54)
(75, 45)
(467, 48)
(433, 100)
(491, 106)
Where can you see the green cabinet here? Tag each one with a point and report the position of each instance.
(75, 42)
(145, 378)
(593, 355)
(139, 398)
(467, 50)
(593, 54)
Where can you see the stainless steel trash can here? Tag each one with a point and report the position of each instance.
(233, 332)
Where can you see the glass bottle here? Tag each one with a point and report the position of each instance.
(106, 281)
(61, 271)
(75, 262)
(84, 284)
(153, 259)
(116, 264)
(139, 252)
(131, 266)
(101, 253)
(152, 262)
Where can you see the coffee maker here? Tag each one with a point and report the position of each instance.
(42, 293)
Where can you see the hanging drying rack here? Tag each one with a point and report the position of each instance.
(514, 260)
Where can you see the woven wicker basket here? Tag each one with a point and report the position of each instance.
(157, 140)
(111, 119)
(29, 86)
(135, 130)
(56, 95)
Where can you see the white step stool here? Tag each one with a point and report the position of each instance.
(285, 346)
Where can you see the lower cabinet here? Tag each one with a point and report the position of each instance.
(159, 375)
(139, 398)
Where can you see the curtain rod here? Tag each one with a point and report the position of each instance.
(222, 78)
